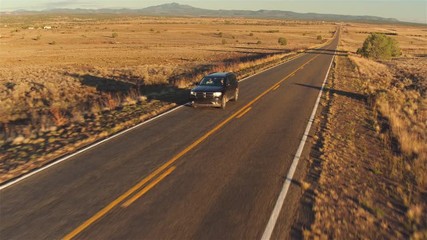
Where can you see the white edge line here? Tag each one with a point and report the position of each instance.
(31, 173)
(281, 199)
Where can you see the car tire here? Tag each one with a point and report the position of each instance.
(236, 95)
(223, 102)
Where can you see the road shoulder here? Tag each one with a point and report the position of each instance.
(349, 190)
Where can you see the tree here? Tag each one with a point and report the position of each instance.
(379, 46)
(282, 41)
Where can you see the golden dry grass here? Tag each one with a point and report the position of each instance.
(399, 92)
(78, 63)
(364, 190)
(412, 39)
(398, 88)
(373, 144)
(91, 76)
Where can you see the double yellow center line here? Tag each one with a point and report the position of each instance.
(159, 170)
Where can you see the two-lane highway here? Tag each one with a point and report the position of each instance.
(192, 174)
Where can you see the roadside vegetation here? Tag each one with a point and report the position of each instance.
(86, 78)
(380, 47)
(282, 41)
(371, 153)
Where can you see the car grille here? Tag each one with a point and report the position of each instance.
(204, 95)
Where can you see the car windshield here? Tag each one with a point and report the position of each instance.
(212, 81)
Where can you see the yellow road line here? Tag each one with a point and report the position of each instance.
(114, 203)
(148, 187)
(276, 87)
(244, 112)
(110, 206)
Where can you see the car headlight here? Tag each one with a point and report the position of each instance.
(193, 93)
(217, 94)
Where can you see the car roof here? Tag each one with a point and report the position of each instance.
(219, 74)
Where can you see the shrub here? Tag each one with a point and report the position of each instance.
(319, 37)
(58, 116)
(282, 41)
(379, 46)
(251, 34)
(224, 41)
(111, 102)
(259, 42)
(114, 35)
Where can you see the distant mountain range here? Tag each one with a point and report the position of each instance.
(176, 9)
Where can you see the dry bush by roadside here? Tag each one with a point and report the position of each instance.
(379, 46)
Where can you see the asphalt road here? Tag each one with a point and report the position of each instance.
(200, 173)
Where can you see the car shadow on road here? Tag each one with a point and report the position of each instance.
(263, 52)
(352, 95)
(327, 52)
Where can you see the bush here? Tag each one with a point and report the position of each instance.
(224, 41)
(282, 41)
(114, 35)
(319, 37)
(379, 46)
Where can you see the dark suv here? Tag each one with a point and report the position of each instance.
(215, 90)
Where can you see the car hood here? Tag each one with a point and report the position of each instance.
(207, 89)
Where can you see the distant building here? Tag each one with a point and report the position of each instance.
(30, 28)
(47, 27)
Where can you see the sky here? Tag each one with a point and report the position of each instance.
(404, 10)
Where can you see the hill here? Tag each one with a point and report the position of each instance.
(176, 9)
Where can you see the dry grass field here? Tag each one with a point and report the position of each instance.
(60, 76)
(412, 39)
(373, 147)
(398, 91)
